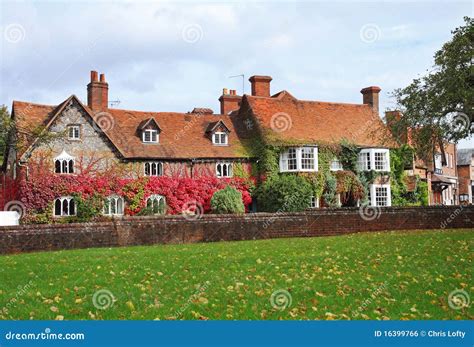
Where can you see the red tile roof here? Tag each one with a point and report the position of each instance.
(287, 119)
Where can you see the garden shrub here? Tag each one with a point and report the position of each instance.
(284, 193)
(227, 200)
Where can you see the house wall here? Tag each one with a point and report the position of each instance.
(129, 231)
(465, 177)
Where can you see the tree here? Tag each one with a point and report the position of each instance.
(6, 125)
(439, 106)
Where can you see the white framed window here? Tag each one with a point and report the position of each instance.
(380, 195)
(74, 132)
(150, 136)
(223, 170)
(220, 138)
(156, 203)
(153, 168)
(64, 163)
(314, 202)
(336, 165)
(299, 159)
(64, 206)
(377, 159)
(438, 161)
(113, 206)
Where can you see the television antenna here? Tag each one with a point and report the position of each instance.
(114, 103)
(243, 82)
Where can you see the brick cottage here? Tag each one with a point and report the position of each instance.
(72, 138)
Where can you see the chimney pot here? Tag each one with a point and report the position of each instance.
(97, 93)
(94, 76)
(225, 91)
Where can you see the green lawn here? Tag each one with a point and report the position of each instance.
(391, 275)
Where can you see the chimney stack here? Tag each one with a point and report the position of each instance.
(97, 92)
(370, 96)
(229, 100)
(260, 85)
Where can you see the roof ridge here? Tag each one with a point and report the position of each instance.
(34, 103)
(276, 96)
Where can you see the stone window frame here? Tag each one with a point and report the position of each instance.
(64, 164)
(224, 166)
(150, 202)
(159, 168)
(67, 203)
(114, 205)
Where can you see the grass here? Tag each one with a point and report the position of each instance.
(390, 275)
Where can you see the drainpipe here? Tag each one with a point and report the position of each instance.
(25, 166)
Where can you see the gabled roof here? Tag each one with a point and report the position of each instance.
(146, 122)
(213, 126)
(285, 119)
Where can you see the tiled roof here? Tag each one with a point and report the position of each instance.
(464, 156)
(182, 136)
(290, 120)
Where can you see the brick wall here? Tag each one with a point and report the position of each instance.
(176, 229)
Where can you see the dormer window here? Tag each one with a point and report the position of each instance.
(219, 133)
(150, 136)
(149, 130)
(64, 163)
(220, 138)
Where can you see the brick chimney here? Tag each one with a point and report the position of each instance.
(370, 96)
(97, 92)
(229, 100)
(260, 85)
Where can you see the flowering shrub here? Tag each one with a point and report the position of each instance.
(39, 191)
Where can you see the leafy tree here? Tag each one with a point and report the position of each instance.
(227, 200)
(6, 125)
(439, 106)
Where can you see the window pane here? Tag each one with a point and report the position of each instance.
(307, 158)
(153, 136)
(72, 207)
(223, 136)
(64, 166)
(146, 136)
(381, 196)
(113, 207)
(71, 166)
(57, 207)
(120, 206)
(153, 169)
(71, 132)
(76, 132)
(147, 169)
(65, 211)
(292, 164)
(57, 166)
(219, 170)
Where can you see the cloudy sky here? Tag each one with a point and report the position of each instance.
(173, 56)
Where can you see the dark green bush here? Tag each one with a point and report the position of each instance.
(227, 200)
(284, 193)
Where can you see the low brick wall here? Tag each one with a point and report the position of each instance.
(128, 231)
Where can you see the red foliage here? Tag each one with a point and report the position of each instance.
(42, 188)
